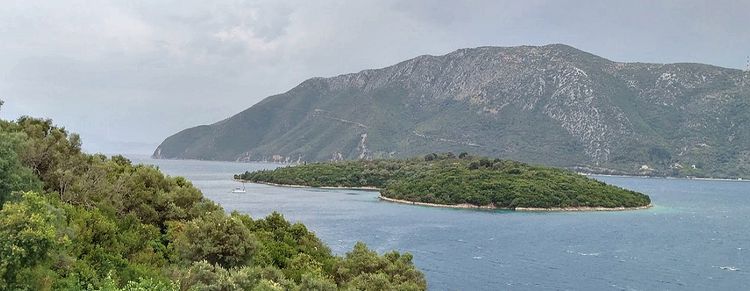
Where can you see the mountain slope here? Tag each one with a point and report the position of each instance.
(552, 105)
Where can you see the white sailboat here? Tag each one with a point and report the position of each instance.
(239, 189)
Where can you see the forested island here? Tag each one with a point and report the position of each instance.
(76, 221)
(460, 181)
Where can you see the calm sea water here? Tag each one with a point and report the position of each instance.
(697, 237)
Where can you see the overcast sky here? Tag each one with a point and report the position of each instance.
(127, 74)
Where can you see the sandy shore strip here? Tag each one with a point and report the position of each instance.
(525, 209)
(463, 206)
(583, 208)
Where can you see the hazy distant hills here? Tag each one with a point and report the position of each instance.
(552, 105)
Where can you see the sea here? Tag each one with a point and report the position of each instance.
(696, 237)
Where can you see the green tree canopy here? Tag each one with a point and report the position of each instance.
(450, 180)
(27, 238)
(75, 221)
(13, 175)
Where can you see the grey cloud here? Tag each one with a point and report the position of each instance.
(125, 74)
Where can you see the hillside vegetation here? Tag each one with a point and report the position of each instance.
(75, 221)
(552, 105)
(449, 180)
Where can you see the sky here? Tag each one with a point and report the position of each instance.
(127, 74)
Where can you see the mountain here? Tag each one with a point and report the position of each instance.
(552, 105)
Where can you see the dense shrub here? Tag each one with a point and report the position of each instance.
(445, 179)
(89, 222)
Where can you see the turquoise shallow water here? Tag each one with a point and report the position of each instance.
(697, 237)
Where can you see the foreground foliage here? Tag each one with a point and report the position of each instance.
(447, 179)
(74, 221)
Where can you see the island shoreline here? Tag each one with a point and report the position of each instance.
(460, 206)
(520, 209)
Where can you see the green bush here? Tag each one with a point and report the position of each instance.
(88, 222)
(445, 179)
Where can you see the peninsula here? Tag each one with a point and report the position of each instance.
(551, 105)
(461, 181)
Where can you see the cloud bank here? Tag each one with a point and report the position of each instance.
(125, 74)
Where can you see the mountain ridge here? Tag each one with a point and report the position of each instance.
(553, 105)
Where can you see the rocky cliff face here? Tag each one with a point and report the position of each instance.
(552, 104)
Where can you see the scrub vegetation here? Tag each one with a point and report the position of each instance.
(76, 221)
(451, 180)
